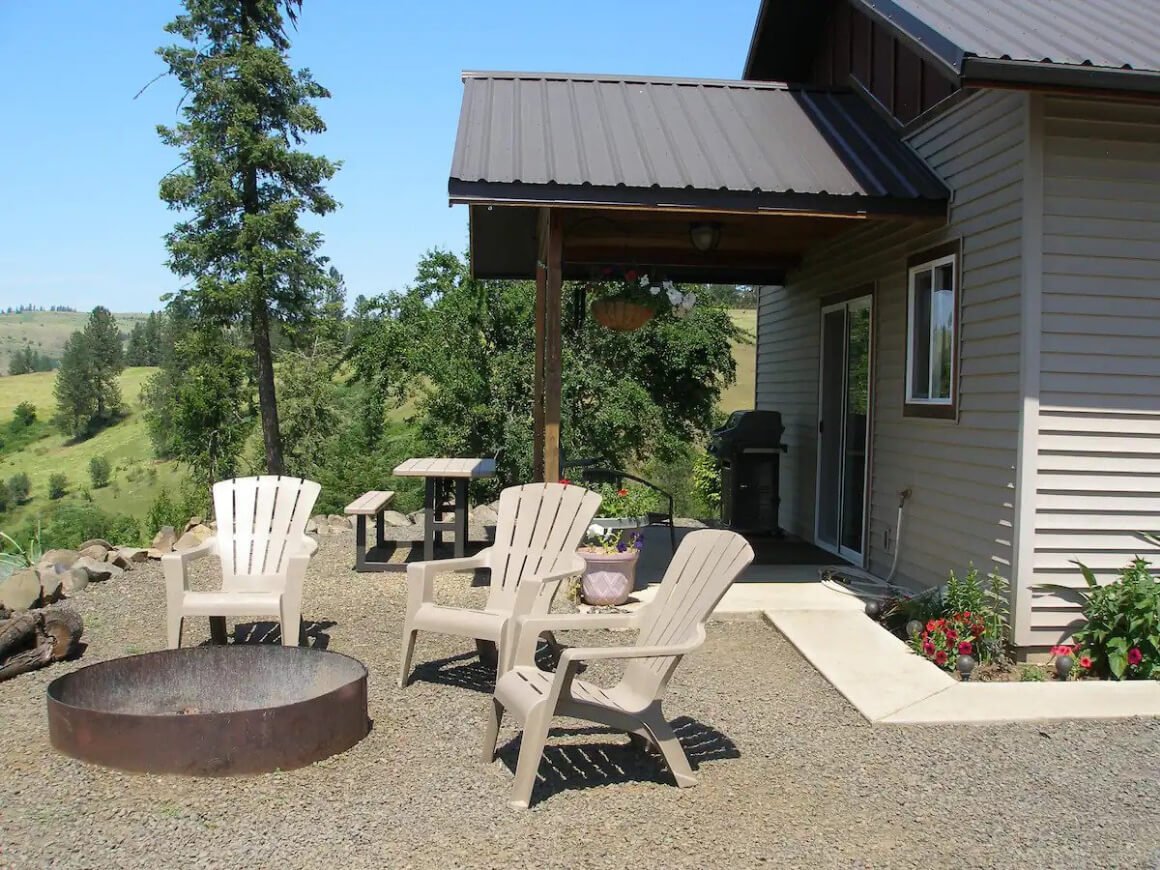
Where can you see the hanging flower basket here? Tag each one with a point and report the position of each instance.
(627, 302)
(620, 315)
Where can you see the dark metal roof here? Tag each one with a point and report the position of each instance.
(538, 138)
(1111, 44)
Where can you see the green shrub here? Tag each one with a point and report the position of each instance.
(57, 486)
(24, 415)
(1121, 638)
(19, 487)
(1031, 674)
(168, 510)
(707, 481)
(987, 602)
(69, 524)
(99, 471)
(5, 497)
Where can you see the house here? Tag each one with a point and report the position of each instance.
(953, 210)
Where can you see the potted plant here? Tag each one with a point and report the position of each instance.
(612, 545)
(628, 302)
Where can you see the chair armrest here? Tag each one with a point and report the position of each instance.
(529, 628)
(421, 575)
(208, 547)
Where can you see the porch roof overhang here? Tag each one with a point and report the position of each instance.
(634, 160)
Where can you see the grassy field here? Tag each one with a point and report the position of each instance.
(137, 478)
(47, 331)
(741, 394)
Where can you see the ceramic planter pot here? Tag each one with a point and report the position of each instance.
(608, 578)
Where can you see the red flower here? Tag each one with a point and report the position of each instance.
(966, 614)
(931, 625)
(1135, 656)
(630, 275)
(622, 492)
(1085, 662)
(940, 657)
(964, 648)
(952, 634)
(928, 648)
(565, 481)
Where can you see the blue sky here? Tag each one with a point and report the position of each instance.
(80, 221)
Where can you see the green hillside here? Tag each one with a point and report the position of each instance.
(741, 394)
(137, 477)
(47, 331)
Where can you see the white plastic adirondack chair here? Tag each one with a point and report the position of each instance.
(261, 539)
(539, 528)
(671, 625)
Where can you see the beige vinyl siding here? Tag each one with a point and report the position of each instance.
(1098, 478)
(962, 473)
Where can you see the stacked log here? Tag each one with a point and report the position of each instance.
(32, 639)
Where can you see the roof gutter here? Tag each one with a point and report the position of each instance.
(979, 72)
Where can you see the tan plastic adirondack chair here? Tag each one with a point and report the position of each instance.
(672, 624)
(261, 539)
(540, 526)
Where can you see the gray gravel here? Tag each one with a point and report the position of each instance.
(790, 774)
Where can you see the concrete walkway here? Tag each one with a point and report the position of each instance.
(878, 674)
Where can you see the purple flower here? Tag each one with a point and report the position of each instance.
(637, 540)
(621, 546)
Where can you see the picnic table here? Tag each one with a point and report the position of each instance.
(445, 491)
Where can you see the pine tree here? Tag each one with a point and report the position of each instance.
(76, 398)
(107, 361)
(251, 262)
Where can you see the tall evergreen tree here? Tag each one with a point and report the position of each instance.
(88, 395)
(245, 184)
(137, 351)
(76, 399)
(107, 360)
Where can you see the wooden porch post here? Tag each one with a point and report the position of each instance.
(553, 346)
(542, 228)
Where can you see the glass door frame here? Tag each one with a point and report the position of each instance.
(862, 298)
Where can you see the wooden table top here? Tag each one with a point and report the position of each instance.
(437, 467)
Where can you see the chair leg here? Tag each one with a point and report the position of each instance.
(409, 635)
(175, 623)
(670, 747)
(291, 625)
(531, 751)
(491, 731)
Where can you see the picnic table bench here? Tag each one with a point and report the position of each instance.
(370, 504)
(445, 491)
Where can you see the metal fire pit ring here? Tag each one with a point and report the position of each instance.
(211, 711)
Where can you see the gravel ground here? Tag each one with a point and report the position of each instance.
(790, 774)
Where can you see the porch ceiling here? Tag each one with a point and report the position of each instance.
(633, 161)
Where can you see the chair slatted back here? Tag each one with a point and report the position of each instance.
(260, 524)
(540, 526)
(702, 570)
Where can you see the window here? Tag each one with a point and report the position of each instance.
(932, 342)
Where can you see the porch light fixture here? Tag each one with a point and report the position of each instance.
(705, 236)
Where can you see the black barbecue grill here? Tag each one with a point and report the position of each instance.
(748, 448)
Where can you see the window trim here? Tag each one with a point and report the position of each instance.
(950, 252)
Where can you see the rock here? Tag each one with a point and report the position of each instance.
(485, 515)
(75, 580)
(95, 542)
(417, 518)
(95, 552)
(21, 590)
(64, 558)
(339, 523)
(311, 526)
(114, 557)
(192, 539)
(96, 571)
(164, 540)
(132, 555)
(394, 518)
(51, 582)
(193, 521)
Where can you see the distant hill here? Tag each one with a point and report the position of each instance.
(47, 331)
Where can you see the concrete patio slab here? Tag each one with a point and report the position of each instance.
(872, 669)
(1026, 702)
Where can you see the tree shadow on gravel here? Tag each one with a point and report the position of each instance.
(269, 632)
(571, 766)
